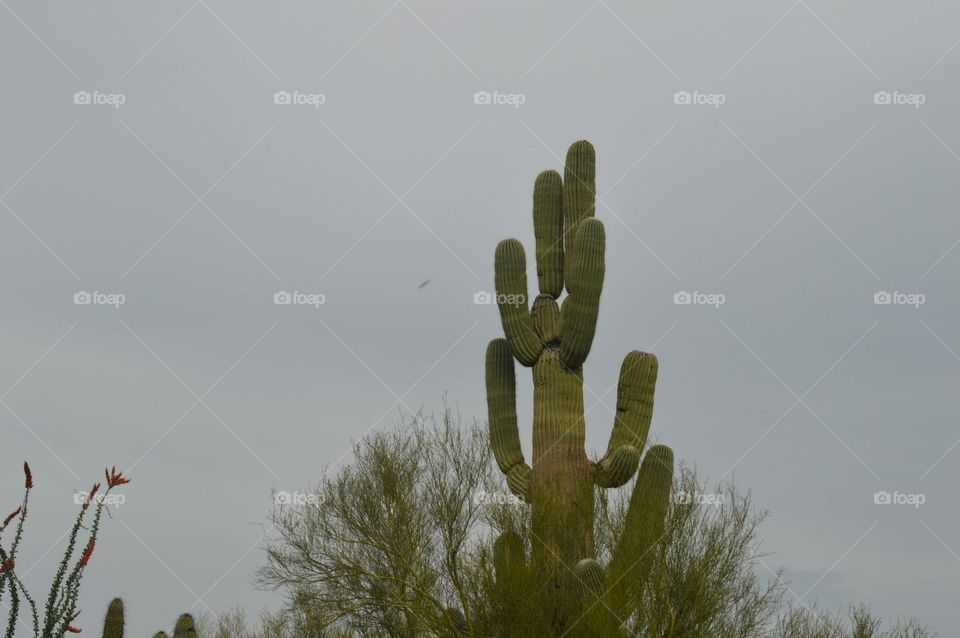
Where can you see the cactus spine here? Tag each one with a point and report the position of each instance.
(554, 340)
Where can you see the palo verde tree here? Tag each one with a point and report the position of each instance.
(553, 338)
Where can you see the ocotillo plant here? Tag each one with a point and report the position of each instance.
(61, 608)
(554, 340)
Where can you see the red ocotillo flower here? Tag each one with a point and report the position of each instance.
(90, 496)
(6, 566)
(70, 627)
(12, 515)
(115, 478)
(28, 480)
(87, 553)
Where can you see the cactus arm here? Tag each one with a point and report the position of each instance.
(585, 282)
(598, 618)
(633, 557)
(638, 380)
(514, 592)
(617, 467)
(113, 623)
(548, 230)
(546, 319)
(184, 627)
(591, 580)
(510, 265)
(502, 415)
(509, 560)
(579, 193)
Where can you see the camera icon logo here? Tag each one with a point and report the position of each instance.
(882, 298)
(882, 498)
(482, 298)
(482, 97)
(882, 97)
(682, 97)
(82, 298)
(282, 97)
(682, 298)
(81, 97)
(282, 298)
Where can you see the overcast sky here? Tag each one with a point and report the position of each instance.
(811, 163)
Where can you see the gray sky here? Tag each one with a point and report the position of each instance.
(198, 198)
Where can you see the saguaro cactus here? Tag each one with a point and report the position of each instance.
(554, 340)
(113, 623)
(184, 627)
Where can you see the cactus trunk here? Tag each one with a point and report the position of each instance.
(561, 481)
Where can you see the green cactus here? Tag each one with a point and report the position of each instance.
(113, 623)
(554, 340)
(184, 627)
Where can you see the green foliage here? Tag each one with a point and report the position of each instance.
(429, 484)
(576, 592)
(388, 545)
(810, 622)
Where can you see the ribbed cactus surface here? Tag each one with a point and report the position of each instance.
(553, 336)
(184, 627)
(113, 623)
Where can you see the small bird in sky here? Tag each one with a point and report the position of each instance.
(424, 284)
